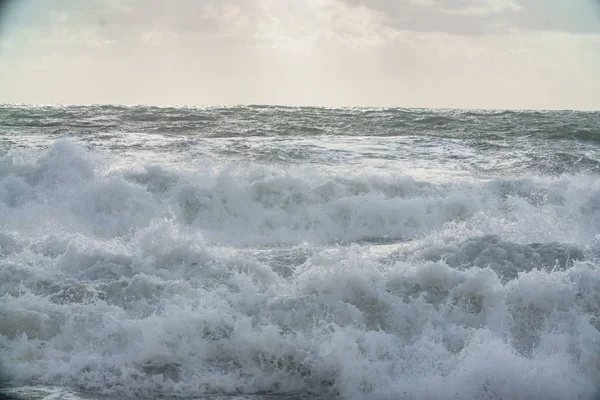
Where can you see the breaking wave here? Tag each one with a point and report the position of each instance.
(152, 279)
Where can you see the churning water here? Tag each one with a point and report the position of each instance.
(283, 253)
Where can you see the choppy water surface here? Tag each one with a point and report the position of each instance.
(288, 253)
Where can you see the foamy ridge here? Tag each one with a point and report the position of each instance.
(259, 205)
(149, 279)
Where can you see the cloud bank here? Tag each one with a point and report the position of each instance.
(438, 53)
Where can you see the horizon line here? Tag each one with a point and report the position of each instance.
(274, 105)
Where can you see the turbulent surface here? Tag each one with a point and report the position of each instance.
(271, 252)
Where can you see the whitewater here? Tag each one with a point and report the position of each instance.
(265, 252)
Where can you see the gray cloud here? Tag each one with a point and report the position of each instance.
(576, 16)
(477, 17)
(256, 22)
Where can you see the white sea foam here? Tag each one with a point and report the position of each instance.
(249, 279)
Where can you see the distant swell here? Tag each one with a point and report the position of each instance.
(240, 121)
(586, 135)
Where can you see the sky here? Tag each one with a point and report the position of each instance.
(518, 54)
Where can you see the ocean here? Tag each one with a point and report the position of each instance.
(261, 252)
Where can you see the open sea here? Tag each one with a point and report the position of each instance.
(283, 253)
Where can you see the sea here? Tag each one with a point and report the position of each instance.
(265, 252)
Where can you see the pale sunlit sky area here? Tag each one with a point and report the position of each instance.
(535, 54)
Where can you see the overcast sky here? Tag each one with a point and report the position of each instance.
(406, 53)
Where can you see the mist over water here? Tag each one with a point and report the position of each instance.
(275, 252)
